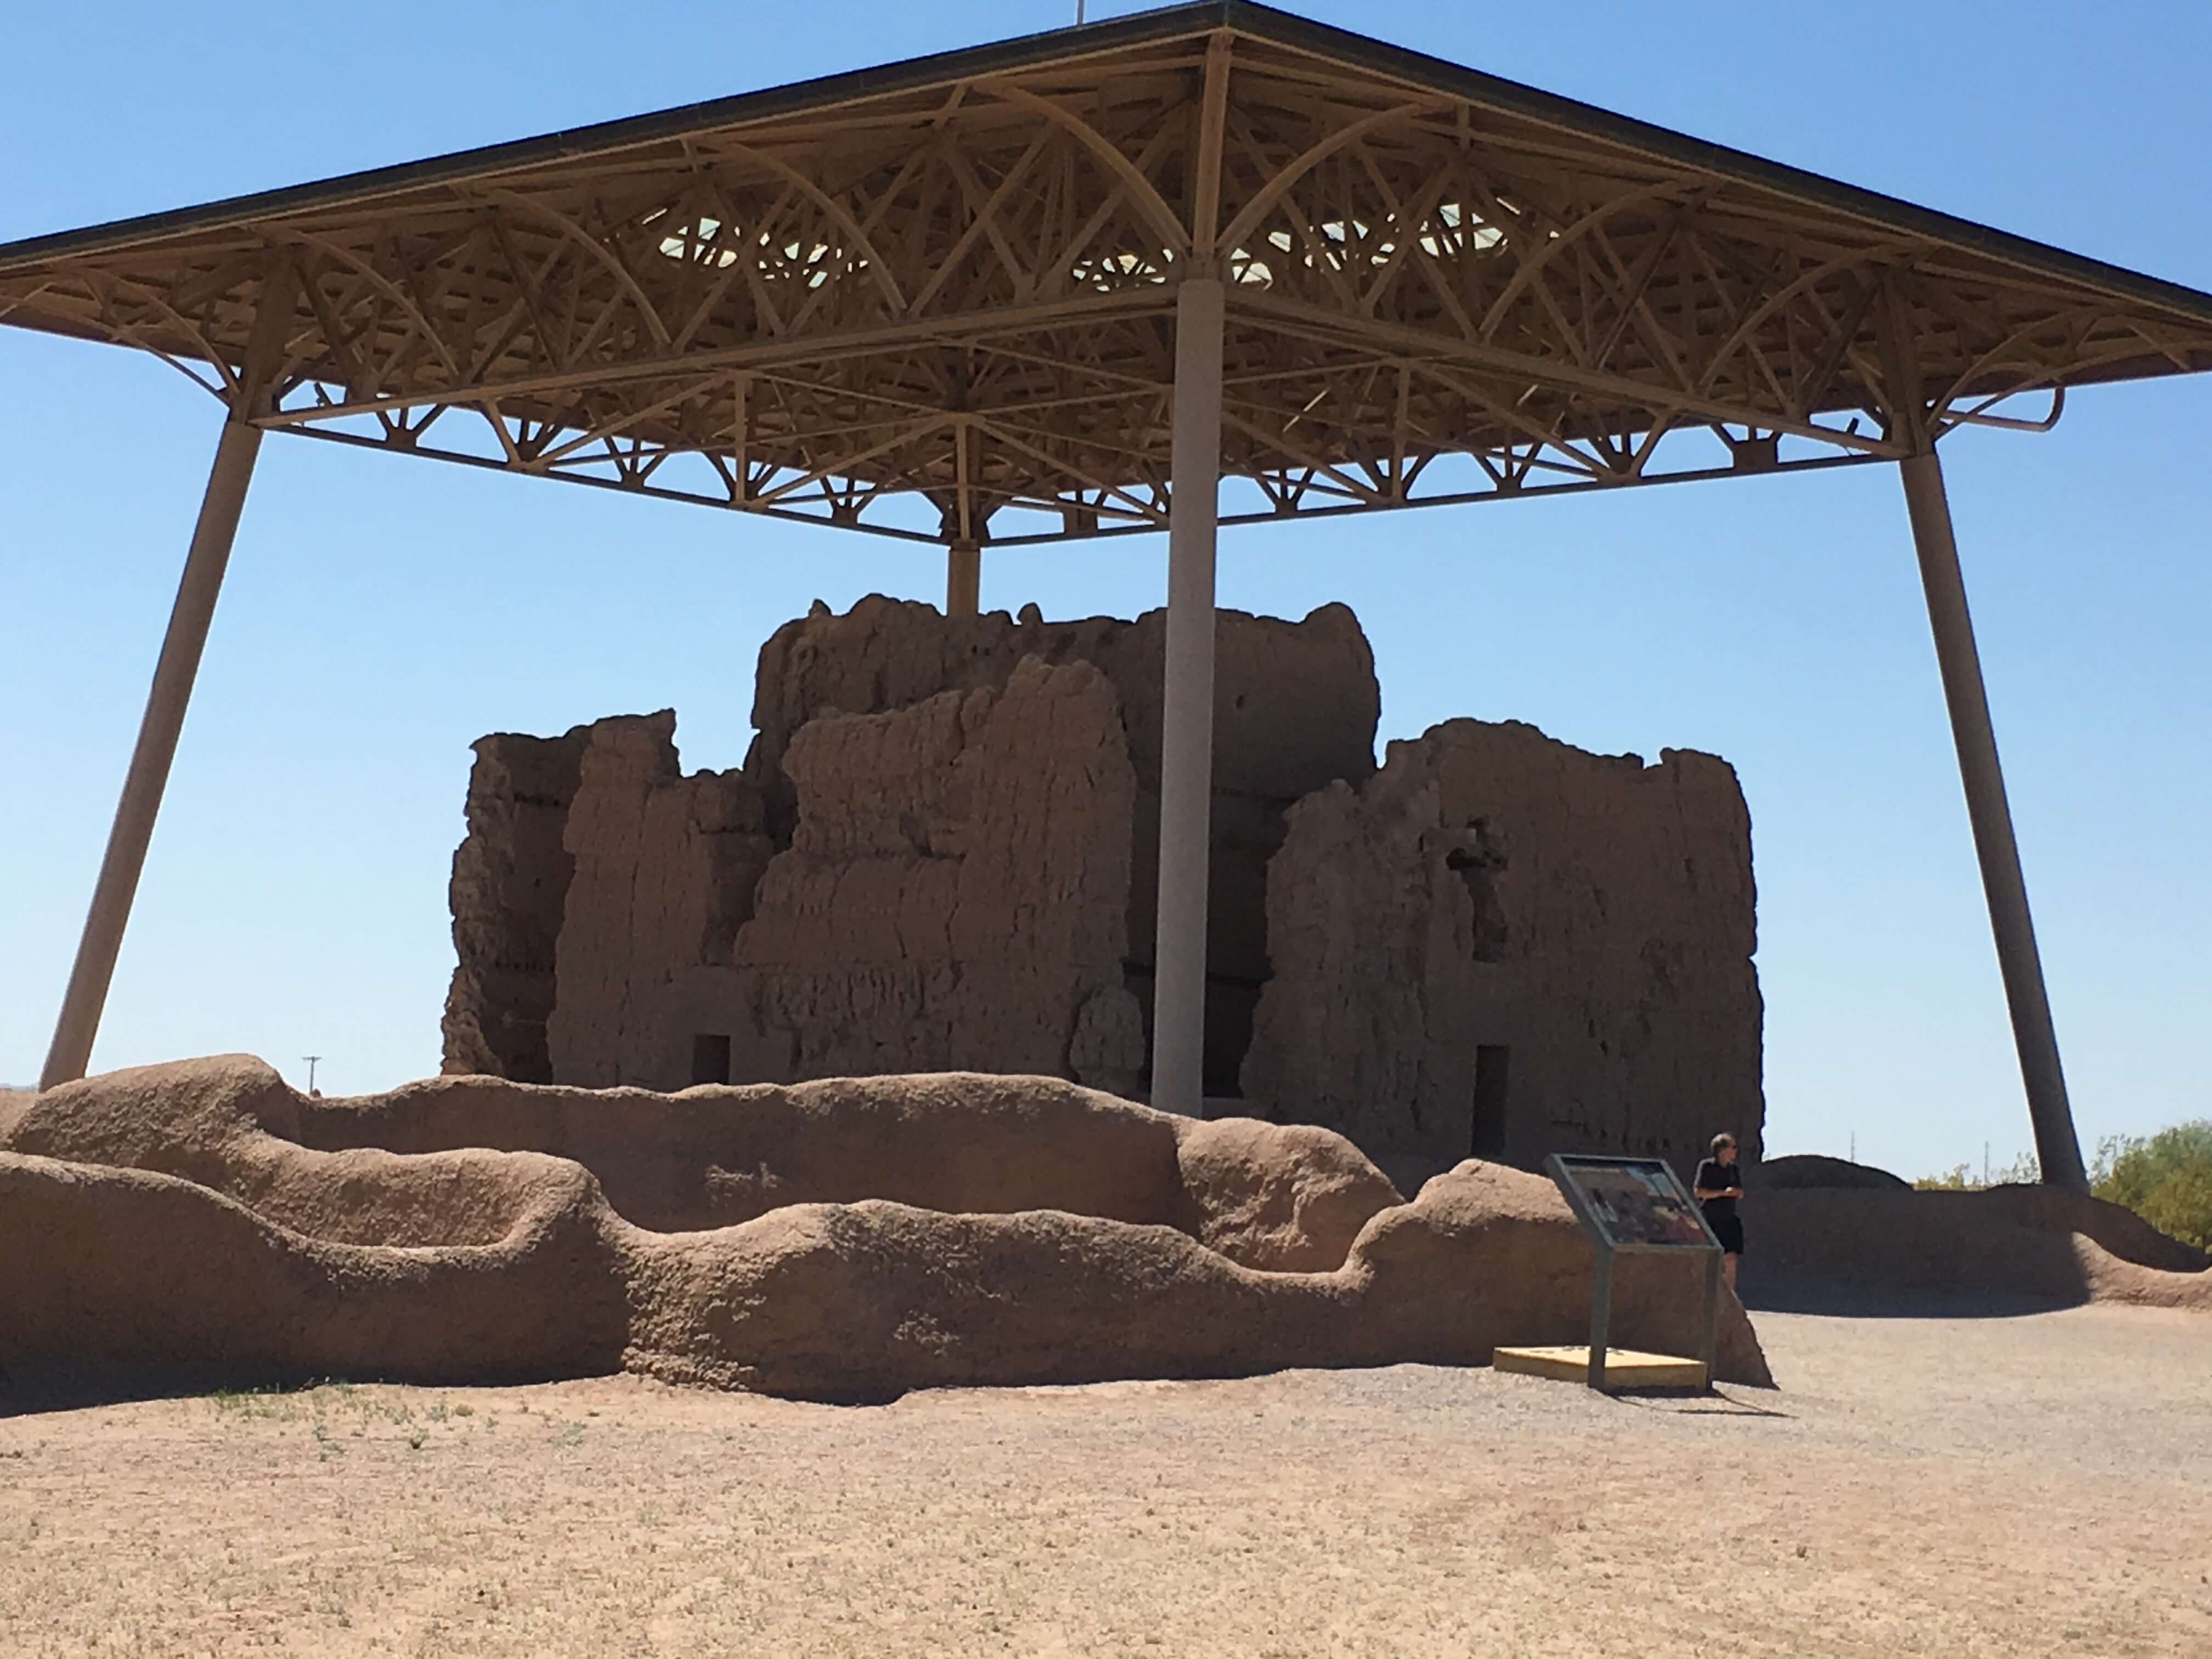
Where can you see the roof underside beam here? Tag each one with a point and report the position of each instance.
(951, 301)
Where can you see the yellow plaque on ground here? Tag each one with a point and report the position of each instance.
(1625, 1368)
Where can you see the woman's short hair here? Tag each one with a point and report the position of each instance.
(1720, 1141)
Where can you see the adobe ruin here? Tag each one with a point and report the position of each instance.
(939, 854)
(1502, 945)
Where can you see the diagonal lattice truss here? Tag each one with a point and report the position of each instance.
(937, 301)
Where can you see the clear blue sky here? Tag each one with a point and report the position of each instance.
(383, 612)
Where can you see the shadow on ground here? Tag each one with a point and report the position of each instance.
(1843, 1299)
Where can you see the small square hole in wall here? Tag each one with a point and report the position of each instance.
(710, 1057)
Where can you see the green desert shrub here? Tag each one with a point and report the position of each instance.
(2165, 1178)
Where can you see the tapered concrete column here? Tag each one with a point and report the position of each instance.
(1186, 716)
(143, 785)
(2056, 1147)
(963, 578)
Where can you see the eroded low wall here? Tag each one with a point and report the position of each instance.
(2028, 1243)
(868, 1236)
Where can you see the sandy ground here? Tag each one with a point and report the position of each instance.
(1954, 1486)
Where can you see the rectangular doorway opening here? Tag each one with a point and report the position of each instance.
(1488, 1140)
(710, 1057)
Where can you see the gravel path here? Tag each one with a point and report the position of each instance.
(1999, 1487)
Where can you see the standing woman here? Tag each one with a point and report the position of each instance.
(1719, 1187)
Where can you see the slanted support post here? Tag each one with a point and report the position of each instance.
(148, 774)
(1186, 715)
(963, 578)
(1601, 1329)
(2057, 1149)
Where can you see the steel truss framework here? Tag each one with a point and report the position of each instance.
(936, 302)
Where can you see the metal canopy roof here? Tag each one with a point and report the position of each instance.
(952, 281)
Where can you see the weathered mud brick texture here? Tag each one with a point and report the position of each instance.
(510, 890)
(665, 869)
(1296, 705)
(941, 853)
(954, 897)
(955, 883)
(1502, 946)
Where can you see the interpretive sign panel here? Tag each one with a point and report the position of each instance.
(1633, 1203)
(1638, 1206)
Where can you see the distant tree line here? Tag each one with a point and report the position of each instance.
(2023, 1171)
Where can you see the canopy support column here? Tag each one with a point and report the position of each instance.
(1186, 715)
(148, 774)
(2056, 1147)
(963, 578)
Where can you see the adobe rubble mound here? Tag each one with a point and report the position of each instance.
(841, 1240)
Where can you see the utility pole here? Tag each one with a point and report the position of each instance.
(311, 1060)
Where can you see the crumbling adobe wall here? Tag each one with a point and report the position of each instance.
(954, 897)
(510, 890)
(1589, 915)
(941, 854)
(664, 865)
(665, 870)
(1296, 705)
